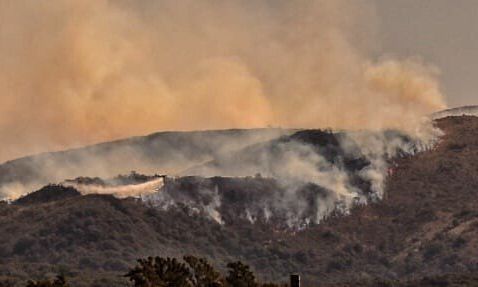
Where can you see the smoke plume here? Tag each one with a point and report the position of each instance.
(317, 173)
(75, 72)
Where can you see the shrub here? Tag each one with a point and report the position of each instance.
(459, 242)
(160, 271)
(239, 275)
(338, 264)
(203, 274)
(59, 281)
(432, 250)
(23, 245)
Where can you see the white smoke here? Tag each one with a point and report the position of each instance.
(297, 166)
(208, 204)
(121, 191)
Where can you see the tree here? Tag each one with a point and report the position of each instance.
(239, 275)
(204, 275)
(160, 272)
(193, 272)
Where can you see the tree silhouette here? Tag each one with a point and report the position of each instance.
(160, 272)
(239, 275)
(204, 275)
(193, 272)
(59, 281)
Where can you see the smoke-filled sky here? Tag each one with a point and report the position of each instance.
(74, 72)
(442, 32)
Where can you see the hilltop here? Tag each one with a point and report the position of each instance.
(163, 152)
(458, 111)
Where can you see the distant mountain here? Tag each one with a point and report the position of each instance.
(459, 111)
(426, 224)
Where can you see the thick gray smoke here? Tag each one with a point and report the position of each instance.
(316, 173)
(344, 169)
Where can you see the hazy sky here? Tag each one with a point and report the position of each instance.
(74, 72)
(443, 32)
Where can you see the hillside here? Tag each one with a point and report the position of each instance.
(163, 152)
(427, 224)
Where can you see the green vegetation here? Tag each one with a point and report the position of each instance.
(191, 272)
(159, 271)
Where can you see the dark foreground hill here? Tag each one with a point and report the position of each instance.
(426, 225)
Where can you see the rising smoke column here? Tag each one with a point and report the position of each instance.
(81, 71)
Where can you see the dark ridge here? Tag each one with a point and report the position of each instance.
(321, 138)
(48, 193)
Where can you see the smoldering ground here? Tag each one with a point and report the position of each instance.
(315, 173)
